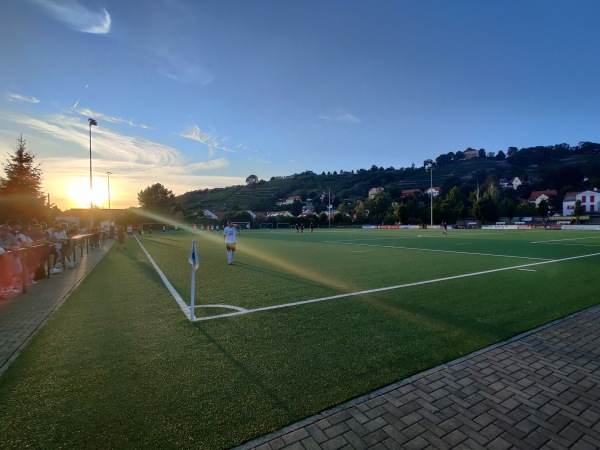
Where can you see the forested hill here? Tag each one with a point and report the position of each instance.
(557, 167)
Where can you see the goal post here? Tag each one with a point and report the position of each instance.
(242, 225)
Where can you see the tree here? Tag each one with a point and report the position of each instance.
(296, 208)
(157, 199)
(579, 210)
(486, 208)
(379, 205)
(543, 208)
(252, 179)
(21, 197)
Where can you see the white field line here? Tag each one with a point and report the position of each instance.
(184, 307)
(400, 286)
(438, 251)
(552, 241)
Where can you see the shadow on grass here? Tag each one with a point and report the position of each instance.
(247, 372)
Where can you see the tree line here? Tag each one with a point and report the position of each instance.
(479, 196)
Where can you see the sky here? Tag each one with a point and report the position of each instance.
(197, 94)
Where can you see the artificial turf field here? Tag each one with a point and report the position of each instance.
(304, 322)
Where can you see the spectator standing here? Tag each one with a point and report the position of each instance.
(121, 238)
(10, 247)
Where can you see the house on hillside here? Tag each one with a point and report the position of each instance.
(279, 214)
(374, 191)
(515, 182)
(590, 201)
(569, 203)
(512, 183)
(210, 214)
(471, 153)
(288, 201)
(537, 196)
(433, 191)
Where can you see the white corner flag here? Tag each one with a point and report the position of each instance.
(193, 260)
(194, 257)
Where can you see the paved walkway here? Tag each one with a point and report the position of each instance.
(537, 390)
(22, 315)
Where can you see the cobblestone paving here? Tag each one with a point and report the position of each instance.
(537, 390)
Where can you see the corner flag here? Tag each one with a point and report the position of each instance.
(194, 257)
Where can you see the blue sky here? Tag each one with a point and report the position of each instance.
(198, 94)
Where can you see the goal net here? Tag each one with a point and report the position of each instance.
(283, 225)
(242, 225)
(266, 226)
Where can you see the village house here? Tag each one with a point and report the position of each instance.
(537, 196)
(374, 191)
(433, 191)
(590, 201)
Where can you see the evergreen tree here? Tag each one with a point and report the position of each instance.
(21, 197)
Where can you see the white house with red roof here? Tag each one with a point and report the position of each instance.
(537, 196)
(590, 201)
(433, 191)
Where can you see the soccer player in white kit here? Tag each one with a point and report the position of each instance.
(230, 238)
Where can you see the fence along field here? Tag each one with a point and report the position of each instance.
(286, 269)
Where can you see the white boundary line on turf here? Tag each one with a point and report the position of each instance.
(437, 250)
(552, 241)
(390, 288)
(184, 307)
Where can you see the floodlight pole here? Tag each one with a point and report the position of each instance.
(109, 174)
(329, 209)
(92, 122)
(431, 192)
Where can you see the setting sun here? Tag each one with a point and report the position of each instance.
(78, 191)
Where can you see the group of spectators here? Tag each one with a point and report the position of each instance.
(28, 252)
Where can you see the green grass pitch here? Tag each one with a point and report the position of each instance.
(317, 319)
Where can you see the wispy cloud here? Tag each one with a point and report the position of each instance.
(177, 39)
(21, 98)
(136, 162)
(340, 116)
(77, 16)
(212, 164)
(211, 140)
(103, 117)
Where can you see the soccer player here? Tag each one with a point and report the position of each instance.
(229, 237)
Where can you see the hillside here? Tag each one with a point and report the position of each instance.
(264, 195)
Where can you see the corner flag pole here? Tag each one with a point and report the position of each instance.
(193, 260)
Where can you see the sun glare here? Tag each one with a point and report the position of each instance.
(78, 190)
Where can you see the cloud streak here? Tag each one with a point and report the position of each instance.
(21, 98)
(194, 133)
(340, 116)
(77, 16)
